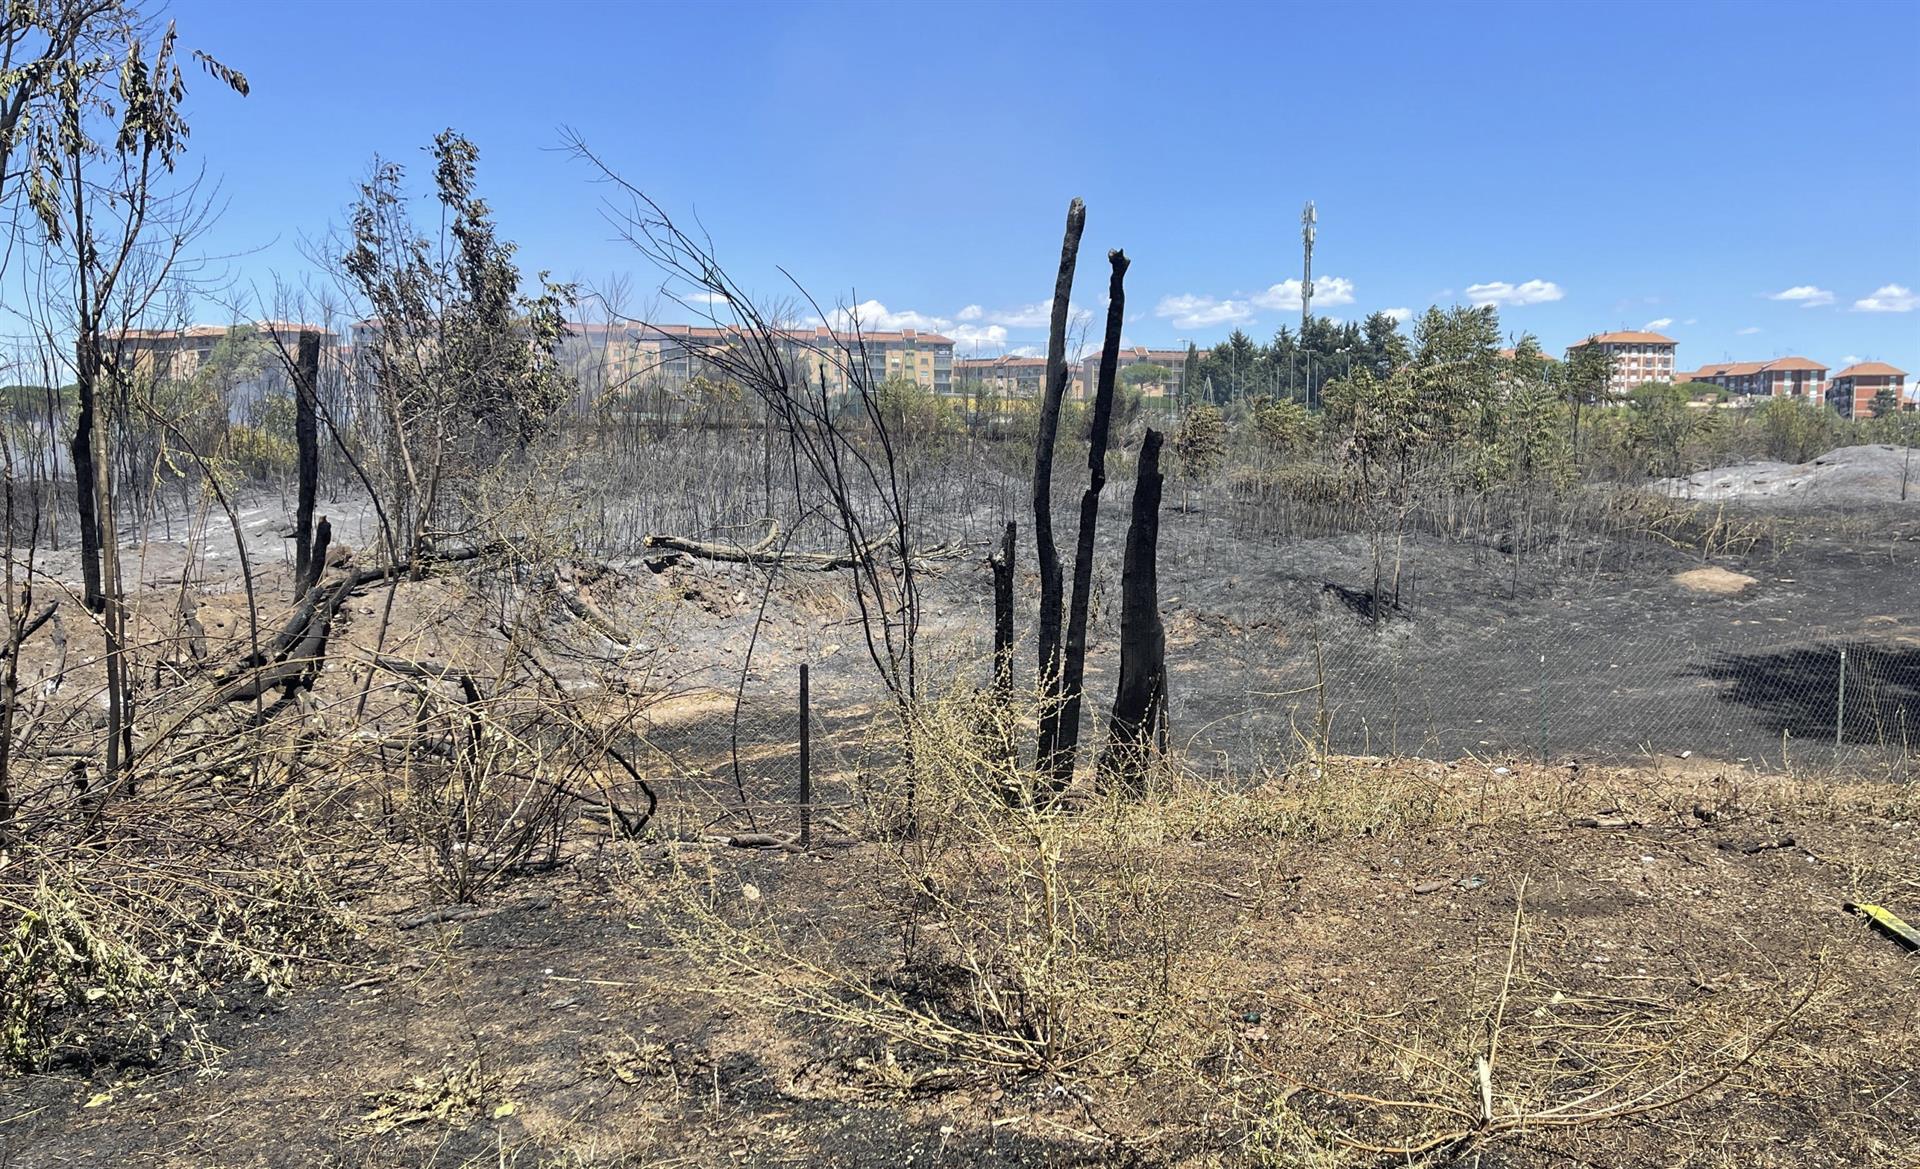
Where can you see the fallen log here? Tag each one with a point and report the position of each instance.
(764, 552)
(41, 618)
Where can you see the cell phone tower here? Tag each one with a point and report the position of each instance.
(1308, 218)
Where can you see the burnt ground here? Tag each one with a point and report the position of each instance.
(574, 1028)
(1583, 649)
(1597, 654)
(581, 1006)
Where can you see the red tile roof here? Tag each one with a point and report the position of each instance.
(1628, 337)
(1789, 364)
(1870, 369)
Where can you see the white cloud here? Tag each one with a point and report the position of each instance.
(1888, 298)
(977, 338)
(1805, 295)
(1037, 315)
(1659, 323)
(1749, 331)
(1513, 295)
(972, 312)
(1328, 290)
(1690, 321)
(1024, 351)
(872, 316)
(703, 299)
(1198, 312)
(1402, 315)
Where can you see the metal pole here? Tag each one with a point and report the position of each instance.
(1840, 703)
(806, 762)
(1540, 701)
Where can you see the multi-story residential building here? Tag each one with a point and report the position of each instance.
(676, 354)
(1174, 361)
(1852, 389)
(1782, 377)
(1011, 376)
(1638, 357)
(1008, 376)
(165, 354)
(178, 354)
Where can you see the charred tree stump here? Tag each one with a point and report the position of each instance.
(316, 556)
(1137, 730)
(1046, 554)
(306, 437)
(1002, 695)
(1002, 564)
(1066, 713)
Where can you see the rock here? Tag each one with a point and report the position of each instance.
(1430, 886)
(1714, 581)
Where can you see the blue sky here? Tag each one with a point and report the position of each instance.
(1748, 174)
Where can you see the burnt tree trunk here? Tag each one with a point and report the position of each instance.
(1002, 564)
(1065, 714)
(86, 392)
(1002, 695)
(1046, 554)
(316, 556)
(306, 437)
(1138, 728)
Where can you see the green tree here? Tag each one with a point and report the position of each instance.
(1282, 425)
(1385, 347)
(463, 366)
(1233, 367)
(1795, 430)
(1584, 379)
(1201, 442)
(1886, 401)
(1146, 373)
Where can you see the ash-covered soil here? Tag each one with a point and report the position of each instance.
(1846, 476)
(1587, 647)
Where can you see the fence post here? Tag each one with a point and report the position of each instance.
(1840, 704)
(806, 762)
(1540, 706)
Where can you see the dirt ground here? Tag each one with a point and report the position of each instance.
(577, 1027)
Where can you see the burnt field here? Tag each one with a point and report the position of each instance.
(1601, 643)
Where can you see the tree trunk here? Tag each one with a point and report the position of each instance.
(1138, 727)
(1064, 715)
(1046, 554)
(1002, 705)
(86, 391)
(306, 436)
(1002, 565)
(316, 556)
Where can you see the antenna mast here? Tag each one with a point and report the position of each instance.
(1308, 218)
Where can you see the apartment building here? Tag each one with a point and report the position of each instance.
(1852, 389)
(1638, 357)
(1174, 361)
(179, 354)
(675, 354)
(1008, 376)
(1011, 376)
(1782, 377)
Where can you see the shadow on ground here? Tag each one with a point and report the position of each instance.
(1799, 691)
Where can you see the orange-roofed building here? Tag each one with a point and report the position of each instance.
(1782, 377)
(1174, 361)
(1852, 389)
(675, 354)
(1638, 357)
